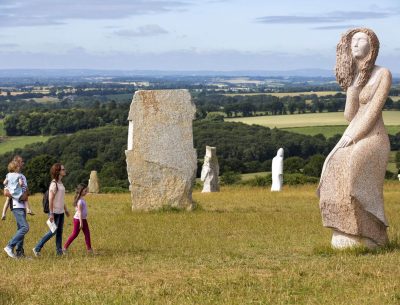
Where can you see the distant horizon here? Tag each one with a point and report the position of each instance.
(189, 35)
(322, 73)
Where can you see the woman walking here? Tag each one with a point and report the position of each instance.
(57, 209)
(19, 211)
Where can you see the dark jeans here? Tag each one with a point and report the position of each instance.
(59, 221)
(17, 240)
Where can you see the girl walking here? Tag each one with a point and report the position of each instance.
(80, 218)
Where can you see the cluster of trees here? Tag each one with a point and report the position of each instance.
(249, 105)
(240, 148)
(101, 149)
(248, 149)
(51, 122)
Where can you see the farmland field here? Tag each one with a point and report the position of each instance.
(329, 131)
(309, 119)
(240, 246)
(10, 143)
(282, 94)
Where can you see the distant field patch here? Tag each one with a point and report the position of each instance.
(10, 143)
(395, 98)
(282, 94)
(309, 119)
(2, 131)
(329, 131)
(46, 99)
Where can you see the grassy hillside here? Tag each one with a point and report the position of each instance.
(241, 246)
(10, 143)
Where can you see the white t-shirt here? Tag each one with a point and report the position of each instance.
(59, 191)
(16, 203)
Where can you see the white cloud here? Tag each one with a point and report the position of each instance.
(51, 12)
(143, 31)
(331, 17)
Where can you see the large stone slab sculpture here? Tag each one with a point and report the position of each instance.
(93, 183)
(277, 171)
(351, 185)
(161, 160)
(210, 171)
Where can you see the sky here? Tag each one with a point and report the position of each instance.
(189, 35)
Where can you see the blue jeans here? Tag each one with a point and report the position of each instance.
(59, 221)
(17, 240)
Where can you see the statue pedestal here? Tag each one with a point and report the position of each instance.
(342, 241)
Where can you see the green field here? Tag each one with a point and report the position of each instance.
(309, 119)
(10, 143)
(282, 94)
(241, 246)
(329, 131)
(46, 99)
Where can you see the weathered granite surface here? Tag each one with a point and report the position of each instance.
(277, 171)
(93, 183)
(351, 185)
(210, 171)
(161, 160)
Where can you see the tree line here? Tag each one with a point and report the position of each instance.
(240, 148)
(250, 105)
(51, 122)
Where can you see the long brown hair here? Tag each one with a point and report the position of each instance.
(78, 192)
(55, 171)
(345, 68)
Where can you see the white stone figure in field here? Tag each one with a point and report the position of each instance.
(161, 160)
(93, 183)
(351, 184)
(210, 171)
(277, 171)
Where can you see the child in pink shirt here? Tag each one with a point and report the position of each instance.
(79, 220)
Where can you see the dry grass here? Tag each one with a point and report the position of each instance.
(240, 246)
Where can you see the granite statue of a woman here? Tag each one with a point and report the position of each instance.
(351, 184)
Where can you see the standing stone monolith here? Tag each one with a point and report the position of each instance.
(210, 171)
(277, 171)
(351, 185)
(161, 160)
(93, 183)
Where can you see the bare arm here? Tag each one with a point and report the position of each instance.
(352, 103)
(52, 195)
(374, 110)
(80, 215)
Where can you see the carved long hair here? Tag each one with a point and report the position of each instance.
(345, 63)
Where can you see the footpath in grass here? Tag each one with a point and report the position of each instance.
(240, 246)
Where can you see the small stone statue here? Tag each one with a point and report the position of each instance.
(351, 185)
(277, 171)
(93, 183)
(210, 171)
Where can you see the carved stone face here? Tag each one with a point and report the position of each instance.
(360, 45)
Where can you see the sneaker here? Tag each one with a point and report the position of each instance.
(64, 251)
(3, 217)
(9, 252)
(30, 212)
(36, 253)
(90, 252)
